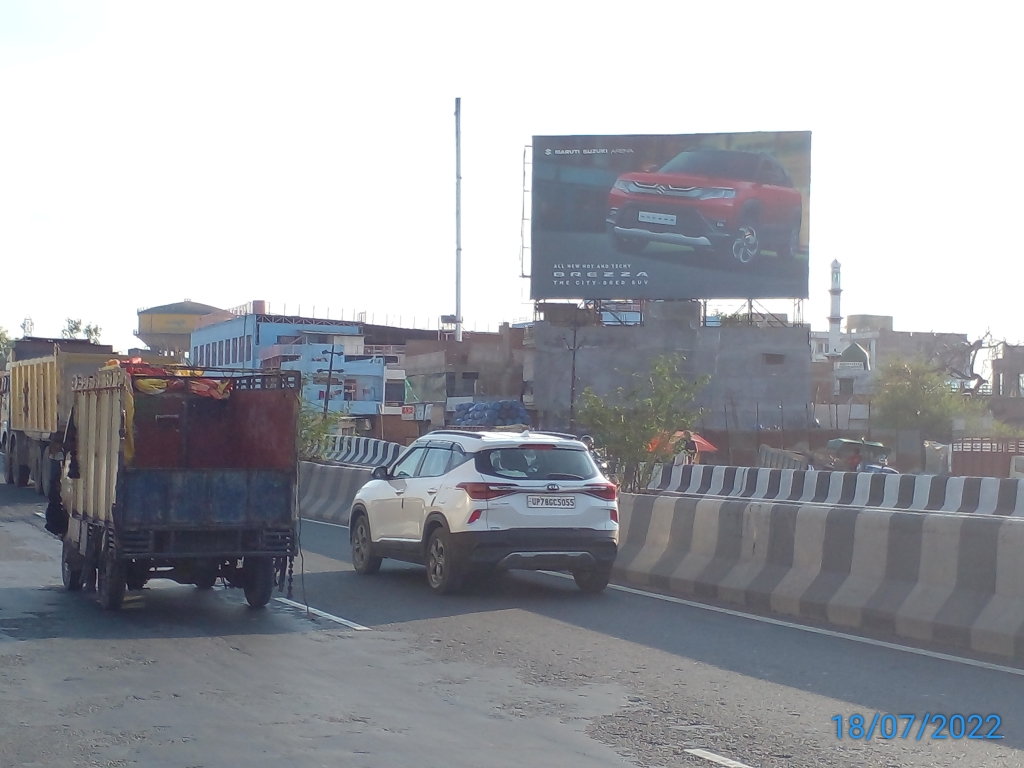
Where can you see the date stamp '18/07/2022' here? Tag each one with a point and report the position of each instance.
(929, 726)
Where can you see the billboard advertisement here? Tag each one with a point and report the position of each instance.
(689, 216)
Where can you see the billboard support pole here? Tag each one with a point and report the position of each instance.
(458, 219)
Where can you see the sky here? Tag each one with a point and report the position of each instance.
(303, 152)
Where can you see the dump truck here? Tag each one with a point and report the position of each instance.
(179, 474)
(36, 402)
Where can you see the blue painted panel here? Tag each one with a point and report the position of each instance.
(154, 498)
(227, 493)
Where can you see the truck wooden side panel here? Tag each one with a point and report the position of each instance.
(41, 390)
(98, 419)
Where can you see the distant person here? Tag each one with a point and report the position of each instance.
(854, 460)
(689, 448)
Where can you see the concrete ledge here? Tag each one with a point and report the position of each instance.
(953, 579)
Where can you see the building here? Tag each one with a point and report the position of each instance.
(355, 368)
(760, 375)
(845, 365)
(484, 366)
(1007, 400)
(167, 330)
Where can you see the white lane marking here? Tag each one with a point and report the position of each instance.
(40, 514)
(716, 758)
(322, 522)
(814, 630)
(321, 614)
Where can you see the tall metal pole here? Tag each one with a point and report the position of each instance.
(330, 375)
(458, 220)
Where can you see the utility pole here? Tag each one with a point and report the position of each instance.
(458, 219)
(572, 371)
(330, 375)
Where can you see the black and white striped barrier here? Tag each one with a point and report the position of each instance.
(326, 492)
(368, 451)
(921, 493)
(951, 579)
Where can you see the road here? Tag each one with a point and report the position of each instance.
(522, 670)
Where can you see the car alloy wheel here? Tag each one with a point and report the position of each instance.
(745, 247)
(436, 562)
(444, 572)
(362, 561)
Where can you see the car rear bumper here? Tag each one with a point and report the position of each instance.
(535, 549)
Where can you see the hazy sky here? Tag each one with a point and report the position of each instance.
(303, 152)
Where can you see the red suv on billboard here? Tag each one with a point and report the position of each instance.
(729, 201)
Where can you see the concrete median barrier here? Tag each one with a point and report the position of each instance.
(946, 578)
(326, 491)
(923, 493)
(349, 449)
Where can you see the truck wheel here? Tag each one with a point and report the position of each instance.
(19, 472)
(8, 466)
(205, 576)
(48, 474)
(259, 580)
(111, 582)
(444, 572)
(593, 580)
(40, 474)
(70, 568)
(137, 575)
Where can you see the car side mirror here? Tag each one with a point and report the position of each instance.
(380, 473)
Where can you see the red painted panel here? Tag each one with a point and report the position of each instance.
(251, 429)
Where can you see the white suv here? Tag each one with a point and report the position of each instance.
(471, 502)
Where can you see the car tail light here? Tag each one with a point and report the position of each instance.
(475, 515)
(485, 491)
(614, 515)
(606, 491)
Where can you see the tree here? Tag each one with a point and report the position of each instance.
(915, 394)
(636, 423)
(315, 427)
(5, 347)
(73, 329)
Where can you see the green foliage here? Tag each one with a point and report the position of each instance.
(913, 394)
(73, 329)
(635, 423)
(315, 430)
(5, 347)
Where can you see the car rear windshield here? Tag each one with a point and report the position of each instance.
(543, 462)
(720, 163)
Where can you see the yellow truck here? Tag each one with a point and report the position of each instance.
(37, 400)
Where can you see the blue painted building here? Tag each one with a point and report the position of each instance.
(364, 380)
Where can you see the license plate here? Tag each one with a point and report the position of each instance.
(667, 219)
(548, 502)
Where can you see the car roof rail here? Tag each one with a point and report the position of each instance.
(565, 435)
(457, 432)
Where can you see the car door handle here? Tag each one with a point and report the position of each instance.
(432, 491)
(399, 492)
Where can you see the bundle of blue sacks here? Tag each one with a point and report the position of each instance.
(497, 413)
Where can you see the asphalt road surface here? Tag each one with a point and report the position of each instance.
(522, 670)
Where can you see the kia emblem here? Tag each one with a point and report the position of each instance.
(552, 486)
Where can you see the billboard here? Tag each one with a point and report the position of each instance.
(689, 216)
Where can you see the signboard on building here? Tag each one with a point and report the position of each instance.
(688, 216)
(408, 413)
